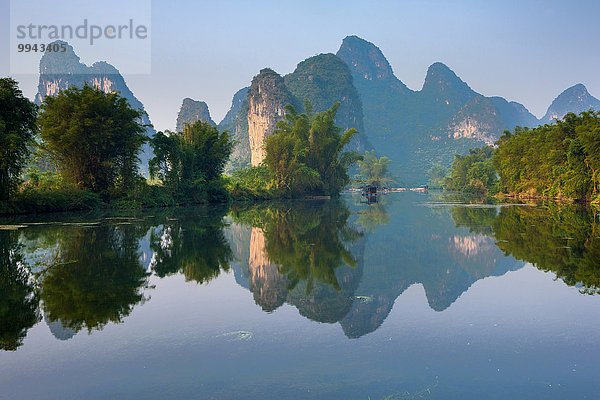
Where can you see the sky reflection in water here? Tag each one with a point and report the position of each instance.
(399, 300)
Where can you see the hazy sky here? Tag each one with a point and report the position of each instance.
(527, 51)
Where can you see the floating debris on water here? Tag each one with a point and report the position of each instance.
(238, 335)
(11, 227)
(364, 299)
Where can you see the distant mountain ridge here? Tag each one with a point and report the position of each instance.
(574, 99)
(416, 129)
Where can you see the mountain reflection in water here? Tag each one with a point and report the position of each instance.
(335, 261)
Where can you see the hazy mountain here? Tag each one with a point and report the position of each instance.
(418, 129)
(323, 80)
(192, 111)
(236, 123)
(514, 114)
(574, 99)
(61, 70)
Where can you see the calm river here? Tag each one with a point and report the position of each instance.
(413, 297)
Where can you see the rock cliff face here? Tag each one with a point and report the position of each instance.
(574, 99)
(192, 111)
(267, 98)
(323, 80)
(478, 119)
(236, 123)
(59, 71)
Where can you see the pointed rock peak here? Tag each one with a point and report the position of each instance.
(239, 99)
(188, 101)
(576, 89)
(440, 78)
(61, 62)
(192, 111)
(575, 93)
(365, 60)
(265, 72)
(323, 61)
(266, 79)
(102, 67)
(440, 73)
(575, 99)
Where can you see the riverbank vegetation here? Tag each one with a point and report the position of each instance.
(304, 156)
(80, 150)
(561, 161)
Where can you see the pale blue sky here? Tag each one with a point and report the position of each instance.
(528, 51)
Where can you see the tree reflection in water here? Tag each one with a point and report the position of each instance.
(305, 253)
(308, 241)
(559, 238)
(97, 277)
(193, 244)
(19, 301)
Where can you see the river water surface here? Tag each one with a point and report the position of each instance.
(413, 297)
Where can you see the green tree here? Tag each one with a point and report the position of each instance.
(305, 153)
(17, 127)
(374, 169)
(473, 172)
(436, 174)
(191, 162)
(558, 160)
(95, 136)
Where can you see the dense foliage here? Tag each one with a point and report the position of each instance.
(374, 169)
(558, 160)
(17, 127)
(473, 172)
(305, 153)
(190, 163)
(561, 160)
(94, 136)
